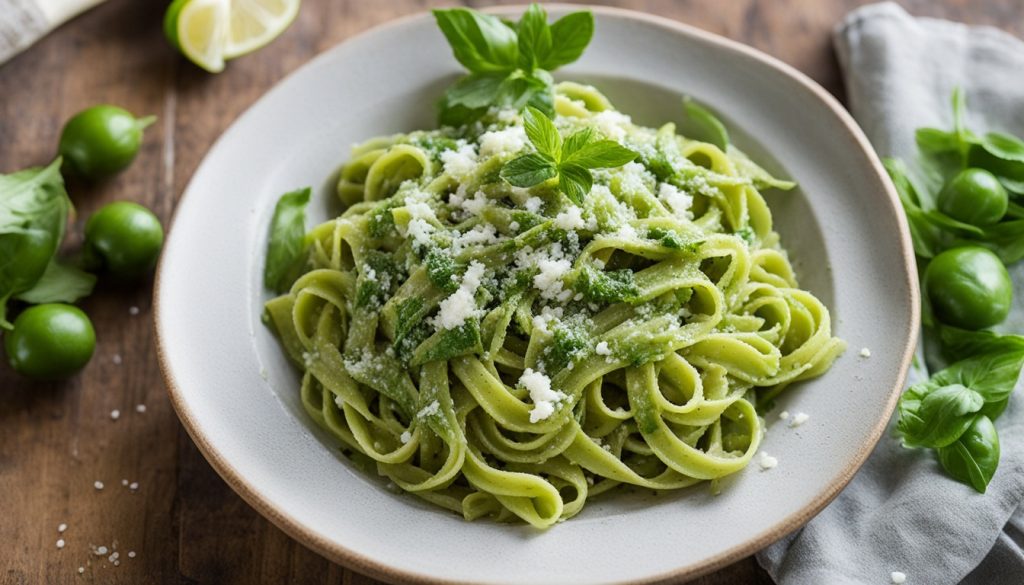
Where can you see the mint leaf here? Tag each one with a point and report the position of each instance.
(570, 35)
(534, 37)
(477, 90)
(286, 244)
(601, 154)
(711, 128)
(481, 42)
(60, 283)
(577, 141)
(575, 181)
(529, 170)
(542, 133)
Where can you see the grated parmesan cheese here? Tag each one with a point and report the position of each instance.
(570, 219)
(766, 461)
(544, 398)
(461, 304)
(603, 349)
(510, 140)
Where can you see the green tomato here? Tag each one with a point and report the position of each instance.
(50, 342)
(101, 140)
(124, 239)
(974, 457)
(974, 196)
(968, 287)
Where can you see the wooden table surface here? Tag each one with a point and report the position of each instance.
(183, 524)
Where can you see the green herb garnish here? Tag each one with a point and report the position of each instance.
(286, 245)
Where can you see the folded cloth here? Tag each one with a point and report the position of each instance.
(901, 513)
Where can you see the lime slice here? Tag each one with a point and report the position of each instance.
(254, 23)
(199, 29)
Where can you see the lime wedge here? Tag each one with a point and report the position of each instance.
(199, 29)
(254, 23)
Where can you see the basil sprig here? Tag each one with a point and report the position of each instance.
(34, 209)
(953, 411)
(509, 63)
(570, 160)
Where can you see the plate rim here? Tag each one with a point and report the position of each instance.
(351, 559)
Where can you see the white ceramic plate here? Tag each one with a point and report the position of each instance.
(238, 397)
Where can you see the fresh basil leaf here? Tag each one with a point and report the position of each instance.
(286, 244)
(529, 170)
(1006, 239)
(60, 283)
(993, 375)
(481, 42)
(534, 37)
(542, 92)
(542, 133)
(601, 154)
(1004, 146)
(570, 36)
(520, 90)
(710, 127)
(475, 90)
(1003, 156)
(575, 181)
(941, 415)
(935, 140)
(34, 210)
(925, 236)
(456, 115)
(577, 141)
(954, 225)
(974, 457)
(958, 344)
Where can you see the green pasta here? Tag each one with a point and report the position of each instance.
(504, 353)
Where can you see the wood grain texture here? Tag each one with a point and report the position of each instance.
(184, 524)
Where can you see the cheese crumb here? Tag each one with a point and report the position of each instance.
(62, 528)
(131, 554)
(115, 414)
(544, 398)
(603, 349)
(865, 352)
(133, 310)
(98, 485)
(406, 437)
(134, 486)
(897, 577)
(784, 414)
(429, 410)
(549, 278)
(81, 570)
(799, 419)
(766, 461)
(60, 543)
(610, 123)
(140, 408)
(116, 358)
(570, 219)
(679, 203)
(459, 163)
(461, 305)
(510, 140)
(533, 204)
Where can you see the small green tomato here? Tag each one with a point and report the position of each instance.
(969, 287)
(50, 342)
(974, 196)
(123, 239)
(102, 140)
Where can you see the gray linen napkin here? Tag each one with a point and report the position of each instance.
(900, 512)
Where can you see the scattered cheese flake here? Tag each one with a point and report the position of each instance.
(115, 414)
(865, 352)
(476, 205)
(429, 410)
(799, 419)
(897, 577)
(610, 123)
(603, 349)
(679, 203)
(140, 408)
(461, 304)
(766, 461)
(124, 482)
(134, 486)
(570, 219)
(116, 358)
(81, 570)
(549, 278)
(784, 414)
(98, 485)
(406, 437)
(133, 310)
(459, 163)
(60, 543)
(131, 554)
(62, 527)
(510, 140)
(100, 551)
(544, 398)
(533, 204)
